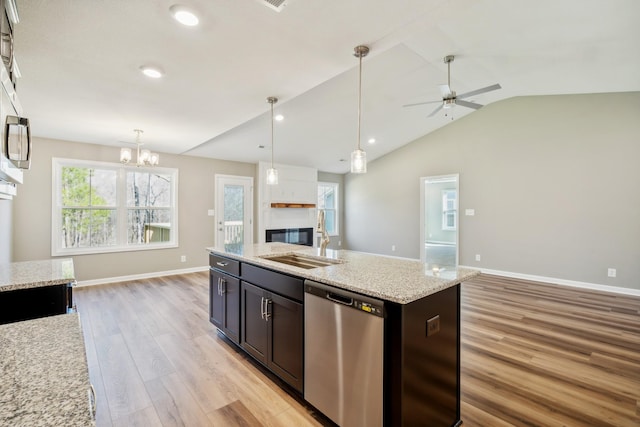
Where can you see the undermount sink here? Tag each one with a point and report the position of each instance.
(303, 261)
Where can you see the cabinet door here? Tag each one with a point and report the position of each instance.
(286, 340)
(230, 287)
(254, 338)
(216, 304)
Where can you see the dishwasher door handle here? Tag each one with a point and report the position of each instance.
(339, 299)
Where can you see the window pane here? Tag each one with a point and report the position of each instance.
(148, 225)
(84, 228)
(88, 187)
(148, 189)
(326, 197)
(330, 221)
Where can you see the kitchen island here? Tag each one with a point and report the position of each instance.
(44, 379)
(421, 368)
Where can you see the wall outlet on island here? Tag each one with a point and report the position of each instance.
(611, 272)
(478, 257)
(183, 258)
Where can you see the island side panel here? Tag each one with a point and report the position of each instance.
(422, 375)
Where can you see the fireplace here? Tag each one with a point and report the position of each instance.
(297, 236)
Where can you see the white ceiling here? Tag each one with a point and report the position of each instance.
(81, 80)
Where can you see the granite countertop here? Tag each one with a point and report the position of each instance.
(392, 279)
(44, 379)
(36, 274)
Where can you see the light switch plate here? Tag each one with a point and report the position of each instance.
(469, 212)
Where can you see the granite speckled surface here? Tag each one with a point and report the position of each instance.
(392, 279)
(44, 379)
(35, 274)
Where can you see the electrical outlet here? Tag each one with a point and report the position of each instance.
(183, 258)
(433, 325)
(611, 272)
(477, 257)
(211, 212)
(393, 247)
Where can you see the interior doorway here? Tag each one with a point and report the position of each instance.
(439, 201)
(234, 212)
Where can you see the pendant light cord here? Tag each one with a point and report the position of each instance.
(271, 134)
(359, 97)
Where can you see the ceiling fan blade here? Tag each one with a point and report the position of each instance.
(479, 91)
(468, 104)
(420, 103)
(433, 113)
(445, 90)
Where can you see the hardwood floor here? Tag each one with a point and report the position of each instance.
(532, 355)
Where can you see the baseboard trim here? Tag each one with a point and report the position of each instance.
(131, 277)
(556, 281)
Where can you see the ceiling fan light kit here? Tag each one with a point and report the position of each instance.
(449, 97)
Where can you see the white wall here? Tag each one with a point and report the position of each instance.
(554, 181)
(196, 195)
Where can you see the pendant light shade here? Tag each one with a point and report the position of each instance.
(358, 156)
(272, 173)
(144, 157)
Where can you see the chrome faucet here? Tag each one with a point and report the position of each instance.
(322, 230)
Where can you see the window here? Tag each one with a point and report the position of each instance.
(449, 209)
(105, 207)
(328, 200)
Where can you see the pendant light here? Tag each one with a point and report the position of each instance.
(358, 156)
(143, 157)
(272, 173)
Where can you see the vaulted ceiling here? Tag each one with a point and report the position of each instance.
(81, 60)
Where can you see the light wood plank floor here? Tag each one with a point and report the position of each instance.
(532, 355)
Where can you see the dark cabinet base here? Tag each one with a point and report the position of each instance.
(422, 366)
(26, 304)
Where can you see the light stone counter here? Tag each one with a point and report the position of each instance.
(392, 279)
(44, 379)
(36, 274)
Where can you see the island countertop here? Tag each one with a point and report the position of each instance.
(36, 274)
(392, 279)
(44, 379)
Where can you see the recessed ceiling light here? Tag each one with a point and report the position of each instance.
(184, 15)
(372, 140)
(153, 72)
(279, 117)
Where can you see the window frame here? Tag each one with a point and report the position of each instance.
(336, 189)
(121, 208)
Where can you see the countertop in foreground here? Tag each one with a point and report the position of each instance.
(392, 279)
(35, 274)
(44, 379)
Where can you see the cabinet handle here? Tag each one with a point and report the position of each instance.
(262, 308)
(267, 315)
(223, 287)
(222, 264)
(219, 286)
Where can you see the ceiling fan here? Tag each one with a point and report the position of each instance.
(449, 97)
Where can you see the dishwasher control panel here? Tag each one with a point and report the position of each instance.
(369, 308)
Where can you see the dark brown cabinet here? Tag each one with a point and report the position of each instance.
(260, 310)
(32, 303)
(272, 332)
(224, 306)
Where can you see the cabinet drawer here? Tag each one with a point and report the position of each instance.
(283, 284)
(228, 265)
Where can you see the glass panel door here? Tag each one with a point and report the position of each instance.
(234, 212)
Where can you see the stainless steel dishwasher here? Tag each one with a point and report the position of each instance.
(344, 354)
